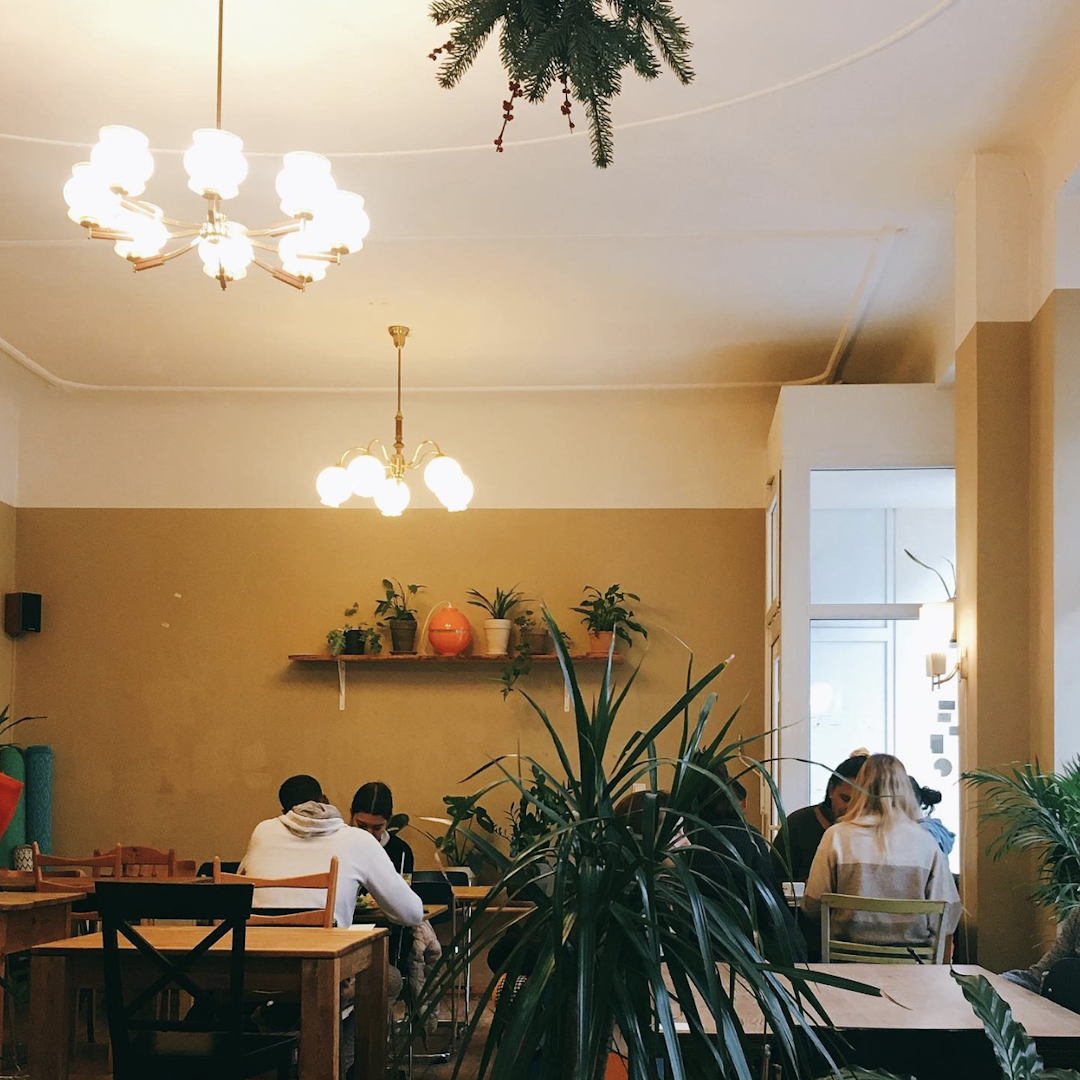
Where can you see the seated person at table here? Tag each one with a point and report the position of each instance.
(372, 809)
(303, 840)
(737, 855)
(879, 849)
(928, 798)
(412, 953)
(797, 841)
(1067, 946)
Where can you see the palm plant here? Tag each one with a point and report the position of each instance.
(1041, 812)
(626, 921)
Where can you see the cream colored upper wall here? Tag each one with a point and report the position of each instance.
(651, 449)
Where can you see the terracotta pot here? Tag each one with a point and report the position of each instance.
(449, 632)
(539, 641)
(497, 637)
(600, 642)
(402, 635)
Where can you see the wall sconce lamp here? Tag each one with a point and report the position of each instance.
(938, 625)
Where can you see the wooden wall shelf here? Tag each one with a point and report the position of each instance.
(430, 658)
(427, 660)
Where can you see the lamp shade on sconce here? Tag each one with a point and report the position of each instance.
(449, 632)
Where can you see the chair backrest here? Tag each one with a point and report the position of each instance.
(838, 951)
(1062, 983)
(435, 892)
(139, 861)
(322, 916)
(206, 869)
(45, 882)
(121, 907)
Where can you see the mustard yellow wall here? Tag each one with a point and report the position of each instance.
(7, 584)
(175, 714)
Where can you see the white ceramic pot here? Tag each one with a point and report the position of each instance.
(497, 636)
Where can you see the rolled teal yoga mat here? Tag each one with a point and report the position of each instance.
(13, 763)
(38, 797)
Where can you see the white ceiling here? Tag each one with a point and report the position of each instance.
(722, 247)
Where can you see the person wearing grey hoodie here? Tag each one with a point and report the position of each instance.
(304, 838)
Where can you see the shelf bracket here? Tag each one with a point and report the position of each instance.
(341, 685)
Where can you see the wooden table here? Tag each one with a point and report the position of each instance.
(308, 961)
(379, 917)
(28, 919)
(923, 1000)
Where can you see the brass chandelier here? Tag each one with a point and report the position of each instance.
(325, 222)
(360, 471)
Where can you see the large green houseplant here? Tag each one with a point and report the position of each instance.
(1037, 812)
(619, 907)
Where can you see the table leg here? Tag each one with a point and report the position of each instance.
(52, 1007)
(320, 1019)
(369, 1014)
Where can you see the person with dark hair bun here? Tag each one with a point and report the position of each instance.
(797, 841)
(928, 798)
(371, 810)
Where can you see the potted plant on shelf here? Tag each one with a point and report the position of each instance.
(402, 618)
(497, 627)
(606, 616)
(533, 633)
(352, 640)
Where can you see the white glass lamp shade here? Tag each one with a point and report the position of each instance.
(215, 163)
(457, 495)
(333, 486)
(89, 199)
(344, 221)
(303, 183)
(937, 626)
(295, 249)
(230, 253)
(366, 474)
(392, 496)
(122, 159)
(441, 473)
(148, 234)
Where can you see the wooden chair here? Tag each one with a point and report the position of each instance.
(85, 883)
(323, 916)
(146, 862)
(212, 1044)
(836, 951)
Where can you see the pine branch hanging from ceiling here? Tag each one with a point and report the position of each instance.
(582, 46)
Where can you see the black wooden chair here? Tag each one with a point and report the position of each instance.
(212, 1047)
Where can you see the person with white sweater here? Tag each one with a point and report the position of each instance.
(303, 840)
(880, 849)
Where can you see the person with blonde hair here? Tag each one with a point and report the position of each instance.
(879, 849)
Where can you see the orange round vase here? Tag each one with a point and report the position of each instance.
(449, 632)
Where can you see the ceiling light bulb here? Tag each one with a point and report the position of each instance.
(215, 163)
(122, 159)
(295, 249)
(392, 496)
(303, 183)
(88, 197)
(366, 473)
(333, 486)
(148, 234)
(459, 495)
(230, 251)
(343, 219)
(440, 473)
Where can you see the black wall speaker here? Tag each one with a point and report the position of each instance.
(22, 613)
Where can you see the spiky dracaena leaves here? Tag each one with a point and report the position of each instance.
(628, 927)
(590, 42)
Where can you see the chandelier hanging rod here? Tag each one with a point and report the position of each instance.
(220, 54)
